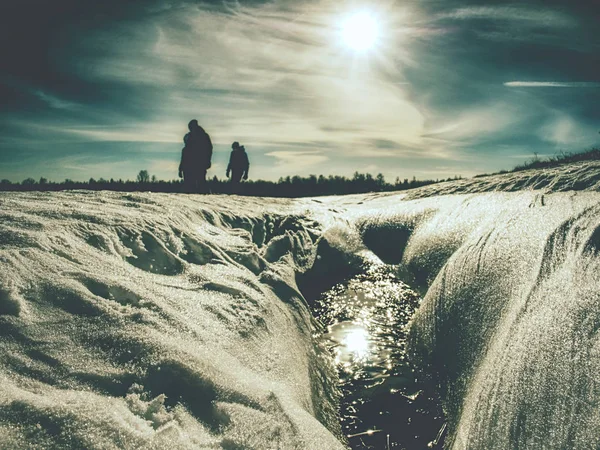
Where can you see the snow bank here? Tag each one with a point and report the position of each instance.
(154, 321)
(511, 316)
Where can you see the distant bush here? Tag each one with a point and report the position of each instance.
(551, 161)
(559, 159)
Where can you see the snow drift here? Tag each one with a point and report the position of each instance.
(153, 320)
(140, 321)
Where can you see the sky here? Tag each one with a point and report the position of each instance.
(425, 88)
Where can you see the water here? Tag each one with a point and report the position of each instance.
(386, 403)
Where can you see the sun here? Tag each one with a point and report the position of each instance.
(360, 31)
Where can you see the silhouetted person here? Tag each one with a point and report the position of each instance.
(195, 158)
(238, 164)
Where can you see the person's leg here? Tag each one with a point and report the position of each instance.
(194, 181)
(202, 185)
(236, 176)
(189, 182)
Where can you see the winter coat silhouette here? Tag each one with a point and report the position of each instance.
(239, 165)
(195, 158)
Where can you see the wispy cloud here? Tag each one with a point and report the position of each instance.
(564, 131)
(513, 13)
(559, 84)
(130, 134)
(516, 23)
(297, 161)
(302, 157)
(54, 101)
(472, 123)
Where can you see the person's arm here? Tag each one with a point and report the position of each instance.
(229, 165)
(210, 151)
(181, 164)
(247, 171)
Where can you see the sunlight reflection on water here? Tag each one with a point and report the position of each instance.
(384, 405)
(354, 342)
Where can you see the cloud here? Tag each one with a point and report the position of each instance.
(473, 123)
(578, 84)
(526, 22)
(298, 159)
(129, 134)
(371, 168)
(513, 13)
(54, 101)
(563, 131)
(170, 166)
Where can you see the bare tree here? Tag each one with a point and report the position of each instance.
(143, 176)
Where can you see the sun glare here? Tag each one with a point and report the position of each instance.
(360, 31)
(357, 342)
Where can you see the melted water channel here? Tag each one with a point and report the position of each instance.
(385, 403)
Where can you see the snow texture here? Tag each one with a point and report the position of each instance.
(581, 176)
(154, 321)
(511, 314)
(163, 320)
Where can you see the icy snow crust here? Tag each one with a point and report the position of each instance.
(160, 320)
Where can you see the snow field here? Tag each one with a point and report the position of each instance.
(158, 320)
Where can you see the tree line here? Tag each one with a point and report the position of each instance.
(294, 186)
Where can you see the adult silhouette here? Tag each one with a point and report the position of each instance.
(238, 164)
(195, 158)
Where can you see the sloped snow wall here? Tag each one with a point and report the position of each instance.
(511, 317)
